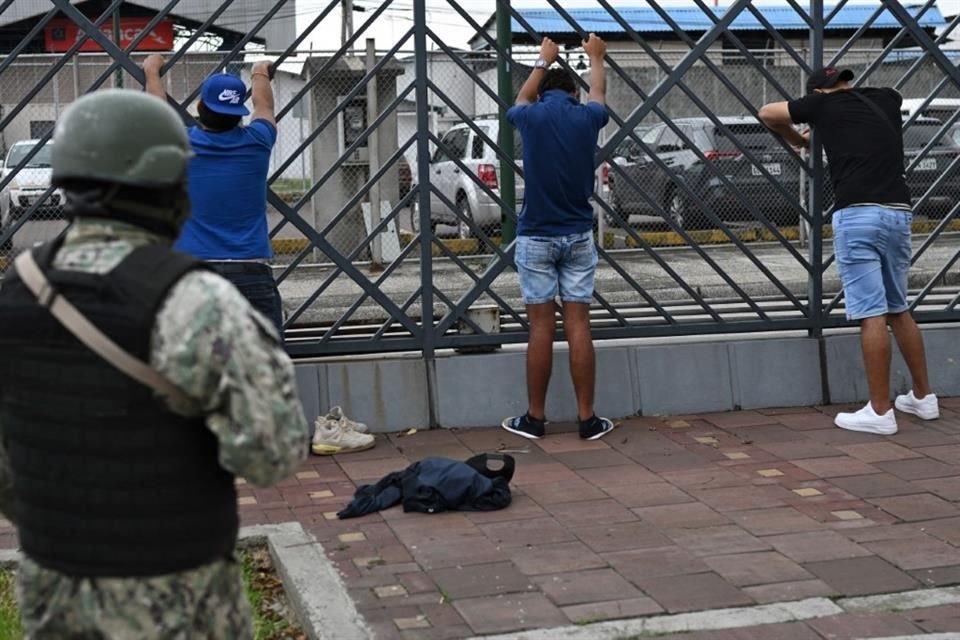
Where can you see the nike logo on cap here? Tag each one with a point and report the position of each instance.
(229, 95)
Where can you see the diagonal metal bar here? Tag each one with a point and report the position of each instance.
(923, 39)
(774, 229)
(388, 323)
(689, 60)
(350, 95)
(356, 144)
(338, 55)
(852, 40)
(348, 268)
(352, 309)
(933, 281)
(892, 45)
(448, 253)
(11, 57)
(817, 15)
(720, 176)
(918, 63)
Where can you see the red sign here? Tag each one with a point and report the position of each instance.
(61, 34)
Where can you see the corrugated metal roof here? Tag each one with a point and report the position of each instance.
(646, 20)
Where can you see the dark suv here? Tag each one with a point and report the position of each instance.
(640, 187)
(932, 165)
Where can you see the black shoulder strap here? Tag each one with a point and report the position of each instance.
(897, 133)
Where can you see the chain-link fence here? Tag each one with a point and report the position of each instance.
(395, 188)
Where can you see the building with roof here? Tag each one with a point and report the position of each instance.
(665, 33)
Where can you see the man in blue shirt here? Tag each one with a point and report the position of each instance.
(227, 182)
(555, 251)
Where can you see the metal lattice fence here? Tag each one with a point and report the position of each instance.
(395, 183)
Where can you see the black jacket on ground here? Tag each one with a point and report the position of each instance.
(437, 484)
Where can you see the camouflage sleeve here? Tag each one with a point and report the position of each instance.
(208, 341)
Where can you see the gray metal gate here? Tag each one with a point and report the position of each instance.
(394, 189)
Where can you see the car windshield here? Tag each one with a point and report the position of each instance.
(744, 136)
(917, 136)
(40, 160)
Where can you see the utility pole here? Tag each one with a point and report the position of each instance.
(346, 27)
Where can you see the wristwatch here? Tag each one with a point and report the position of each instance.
(540, 64)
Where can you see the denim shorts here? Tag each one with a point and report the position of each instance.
(552, 265)
(872, 245)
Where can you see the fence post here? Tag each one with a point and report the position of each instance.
(816, 186)
(423, 178)
(508, 185)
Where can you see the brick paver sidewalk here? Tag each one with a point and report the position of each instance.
(662, 516)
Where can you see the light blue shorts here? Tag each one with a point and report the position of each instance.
(872, 245)
(552, 265)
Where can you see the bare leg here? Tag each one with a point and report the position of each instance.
(910, 341)
(576, 325)
(543, 328)
(875, 342)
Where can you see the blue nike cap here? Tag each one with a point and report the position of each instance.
(225, 93)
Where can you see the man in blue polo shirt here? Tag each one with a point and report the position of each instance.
(555, 251)
(227, 182)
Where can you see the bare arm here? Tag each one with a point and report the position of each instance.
(262, 93)
(530, 91)
(596, 48)
(151, 71)
(776, 116)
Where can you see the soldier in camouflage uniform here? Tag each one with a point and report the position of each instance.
(125, 503)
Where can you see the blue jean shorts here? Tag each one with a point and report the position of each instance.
(556, 265)
(872, 245)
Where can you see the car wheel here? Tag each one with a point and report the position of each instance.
(463, 210)
(415, 218)
(675, 209)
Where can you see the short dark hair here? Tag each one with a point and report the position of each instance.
(216, 121)
(559, 79)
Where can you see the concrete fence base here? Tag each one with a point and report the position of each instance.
(639, 377)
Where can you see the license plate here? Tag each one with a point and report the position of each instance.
(773, 168)
(928, 164)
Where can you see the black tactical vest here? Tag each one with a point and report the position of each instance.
(107, 481)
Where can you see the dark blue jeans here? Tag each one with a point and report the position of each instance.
(255, 281)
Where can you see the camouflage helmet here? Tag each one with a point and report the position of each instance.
(128, 139)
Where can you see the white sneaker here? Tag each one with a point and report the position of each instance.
(926, 408)
(332, 437)
(867, 421)
(337, 414)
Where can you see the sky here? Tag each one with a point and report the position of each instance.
(455, 31)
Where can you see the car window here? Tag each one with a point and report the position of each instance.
(476, 151)
(20, 151)
(650, 137)
(669, 141)
(744, 136)
(456, 143)
(917, 136)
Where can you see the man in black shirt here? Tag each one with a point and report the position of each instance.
(872, 216)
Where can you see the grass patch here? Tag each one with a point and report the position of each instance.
(272, 619)
(10, 628)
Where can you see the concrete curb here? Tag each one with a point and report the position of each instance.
(743, 617)
(315, 591)
(685, 622)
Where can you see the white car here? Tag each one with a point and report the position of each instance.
(25, 189)
(462, 188)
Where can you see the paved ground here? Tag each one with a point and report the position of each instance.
(672, 515)
(663, 516)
